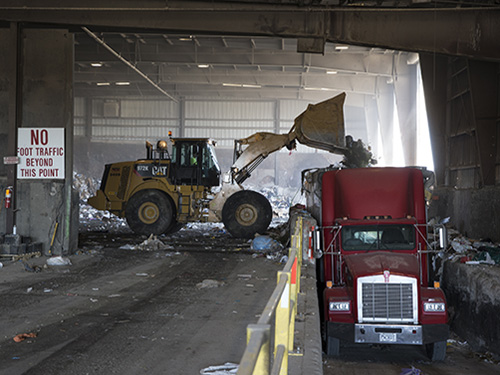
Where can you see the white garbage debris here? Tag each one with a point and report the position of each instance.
(461, 244)
(58, 261)
(128, 247)
(208, 283)
(227, 368)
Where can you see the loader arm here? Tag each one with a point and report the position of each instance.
(319, 126)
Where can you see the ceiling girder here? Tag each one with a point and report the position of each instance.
(470, 32)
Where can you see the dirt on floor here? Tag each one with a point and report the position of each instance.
(131, 305)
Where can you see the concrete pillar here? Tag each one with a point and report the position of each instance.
(40, 96)
(405, 89)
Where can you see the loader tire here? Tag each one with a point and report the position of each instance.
(174, 227)
(246, 213)
(149, 212)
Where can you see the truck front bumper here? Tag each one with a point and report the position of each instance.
(388, 333)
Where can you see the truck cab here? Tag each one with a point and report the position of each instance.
(374, 271)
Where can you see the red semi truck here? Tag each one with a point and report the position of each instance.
(375, 265)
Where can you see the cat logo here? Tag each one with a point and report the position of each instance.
(159, 170)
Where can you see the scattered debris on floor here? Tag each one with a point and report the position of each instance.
(23, 336)
(58, 261)
(411, 371)
(265, 243)
(208, 283)
(31, 268)
(152, 243)
(227, 368)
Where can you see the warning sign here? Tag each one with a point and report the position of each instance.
(41, 153)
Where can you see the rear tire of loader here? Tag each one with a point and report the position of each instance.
(246, 213)
(149, 212)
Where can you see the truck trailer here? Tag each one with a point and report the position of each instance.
(373, 272)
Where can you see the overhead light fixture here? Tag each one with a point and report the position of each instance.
(331, 72)
(203, 66)
(318, 89)
(96, 64)
(102, 83)
(186, 38)
(122, 83)
(245, 85)
(340, 48)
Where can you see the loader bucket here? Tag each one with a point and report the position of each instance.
(322, 125)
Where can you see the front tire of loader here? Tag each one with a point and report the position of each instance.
(149, 212)
(246, 213)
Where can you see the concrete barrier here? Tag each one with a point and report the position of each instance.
(473, 296)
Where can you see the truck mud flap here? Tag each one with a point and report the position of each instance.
(435, 333)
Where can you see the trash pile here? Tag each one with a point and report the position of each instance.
(90, 218)
(281, 199)
(465, 250)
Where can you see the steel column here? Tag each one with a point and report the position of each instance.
(434, 78)
(484, 83)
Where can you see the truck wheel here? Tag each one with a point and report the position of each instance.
(332, 347)
(437, 351)
(149, 212)
(245, 213)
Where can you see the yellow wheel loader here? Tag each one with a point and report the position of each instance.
(165, 190)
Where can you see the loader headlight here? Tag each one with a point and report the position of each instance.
(340, 306)
(434, 307)
(161, 145)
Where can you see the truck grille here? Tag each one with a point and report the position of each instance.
(388, 302)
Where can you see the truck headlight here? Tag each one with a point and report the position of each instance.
(340, 306)
(434, 307)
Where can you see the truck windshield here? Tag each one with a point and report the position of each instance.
(378, 237)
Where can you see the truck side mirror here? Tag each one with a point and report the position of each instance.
(442, 235)
(315, 242)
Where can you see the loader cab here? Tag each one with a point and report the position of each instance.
(194, 162)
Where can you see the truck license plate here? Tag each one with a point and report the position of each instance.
(387, 337)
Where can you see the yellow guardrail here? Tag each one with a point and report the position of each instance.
(257, 358)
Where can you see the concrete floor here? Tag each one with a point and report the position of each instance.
(409, 360)
(118, 311)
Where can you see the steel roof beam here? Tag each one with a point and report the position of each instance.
(470, 32)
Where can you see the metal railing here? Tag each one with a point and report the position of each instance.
(282, 305)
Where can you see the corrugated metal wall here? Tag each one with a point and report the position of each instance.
(137, 120)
